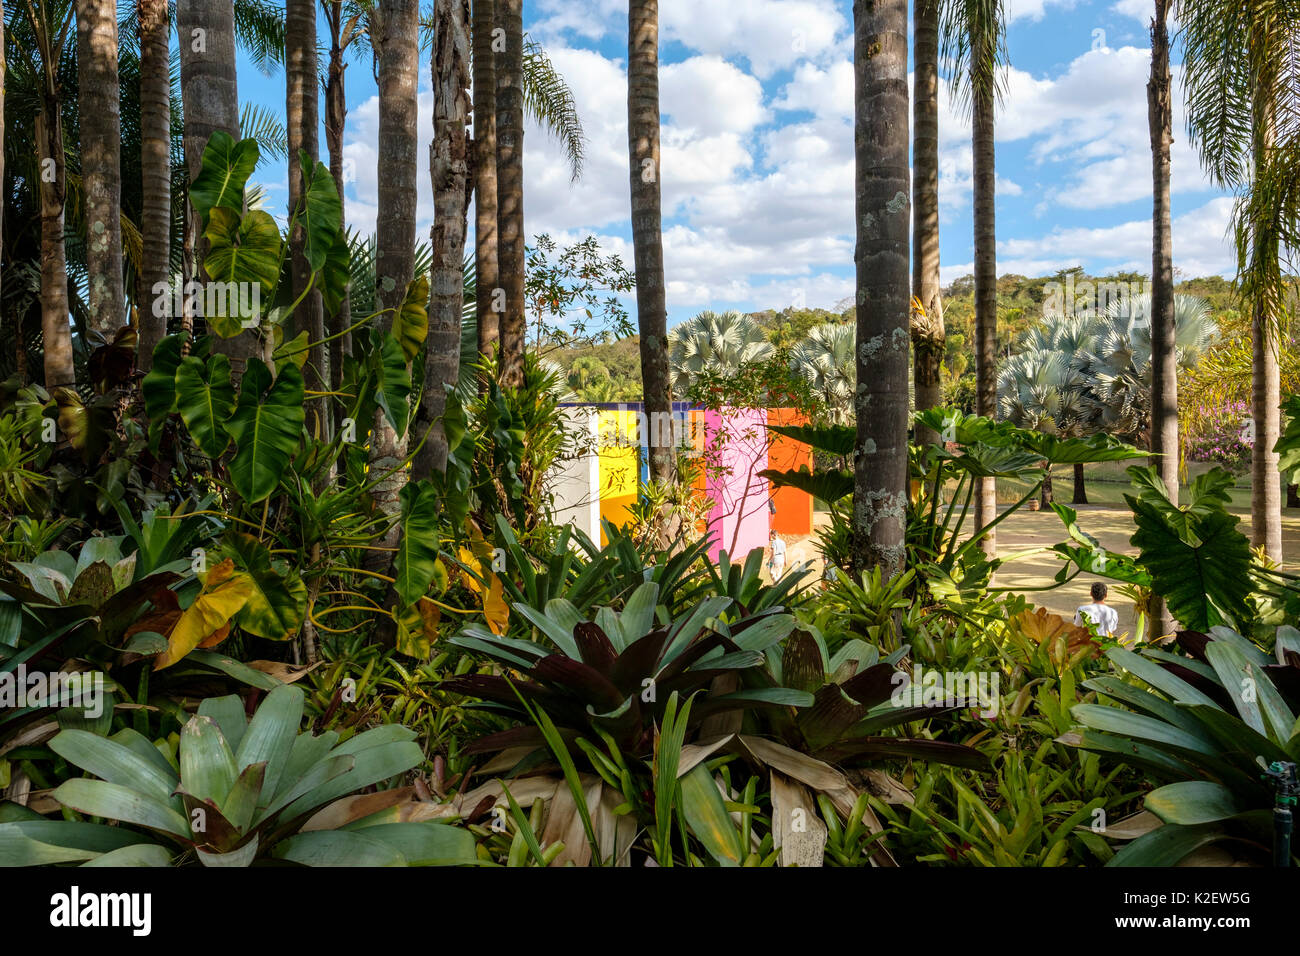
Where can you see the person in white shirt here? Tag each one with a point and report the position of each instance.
(776, 563)
(1099, 613)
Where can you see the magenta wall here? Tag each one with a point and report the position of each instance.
(738, 522)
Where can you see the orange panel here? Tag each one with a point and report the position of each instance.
(794, 508)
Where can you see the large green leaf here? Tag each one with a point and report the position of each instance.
(1198, 561)
(321, 213)
(278, 604)
(266, 426)
(204, 398)
(411, 321)
(829, 486)
(116, 802)
(159, 385)
(392, 381)
(227, 164)
(245, 251)
(707, 816)
(415, 563)
(1190, 802)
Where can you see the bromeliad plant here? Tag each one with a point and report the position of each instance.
(1211, 723)
(236, 791)
(613, 676)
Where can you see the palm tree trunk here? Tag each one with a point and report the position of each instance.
(927, 324)
(486, 269)
(205, 33)
(510, 190)
(1080, 489)
(449, 169)
(55, 328)
(647, 235)
(302, 121)
(155, 172)
(101, 166)
(1266, 397)
(986, 288)
(336, 112)
(882, 215)
(1165, 451)
(399, 51)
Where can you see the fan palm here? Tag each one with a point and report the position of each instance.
(717, 343)
(825, 359)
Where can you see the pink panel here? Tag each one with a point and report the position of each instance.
(736, 446)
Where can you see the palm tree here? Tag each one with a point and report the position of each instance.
(302, 121)
(42, 46)
(882, 216)
(510, 190)
(395, 34)
(1243, 114)
(1119, 364)
(974, 41)
(155, 171)
(825, 359)
(1164, 359)
(449, 170)
(927, 320)
(205, 33)
(101, 166)
(1045, 390)
(647, 235)
(716, 344)
(486, 270)
(343, 34)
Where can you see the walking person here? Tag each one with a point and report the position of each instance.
(776, 560)
(1098, 612)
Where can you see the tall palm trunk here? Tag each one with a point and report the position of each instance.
(1266, 391)
(927, 322)
(205, 34)
(302, 115)
(155, 172)
(55, 328)
(882, 216)
(101, 164)
(486, 268)
(1165, 449)
(986, 279)
(336, 113)
(647, 235)
(449, 170)
(398, 31)
(510, 189)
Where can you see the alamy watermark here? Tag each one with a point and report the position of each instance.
(236, 300)
(925, 687)
(83, 690)
(1088, 299)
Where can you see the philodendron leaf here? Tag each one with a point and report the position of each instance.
(276, 607)
(159, 385)
(321, 213)
(224, 593)
(244, 262)
(204, 398)
(393, 382)
(411, 322)
(415, 563)
(227, 164)
(266, 426)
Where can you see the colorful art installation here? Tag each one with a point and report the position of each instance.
(601, 479)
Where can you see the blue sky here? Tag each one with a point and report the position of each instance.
(758, 164)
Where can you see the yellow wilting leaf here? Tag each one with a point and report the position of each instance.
(225, 592)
